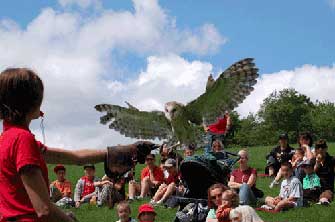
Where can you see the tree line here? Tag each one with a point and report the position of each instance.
(286, 111)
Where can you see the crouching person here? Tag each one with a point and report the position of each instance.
(291, 193)
(60, 189)
(86, 191)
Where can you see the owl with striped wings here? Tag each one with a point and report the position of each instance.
(183, 122)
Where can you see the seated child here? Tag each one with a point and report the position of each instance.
(146, 213)
(60, 189)
(123, 211)
(169, 186)
(296, 161)
(311, 182)
(111, 191)
(230, 200)
(86, 191)
(291, 194)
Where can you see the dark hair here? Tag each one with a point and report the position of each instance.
(306, 136)
(213, 187)
(21, 91)
(287, 164)
(191, 146)
(150, 155)
(321, 144)
(300, 150)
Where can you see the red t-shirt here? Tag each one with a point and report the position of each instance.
(243, 176)
(158, 174)
(218, 127)
(172, 178)
(88, 186)
(18, 148)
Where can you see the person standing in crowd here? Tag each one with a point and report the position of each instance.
(278, 155)
(24, 182)
(217, 130)
(324, 168)
(146, 213)
(124, 211)
(86, 191)
(243, 180)
(151, 178)
(291, 193)
(60, 189)
(214, 200)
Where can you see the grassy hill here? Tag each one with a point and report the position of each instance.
(89, 213)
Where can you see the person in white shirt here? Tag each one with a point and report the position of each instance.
(291, 193)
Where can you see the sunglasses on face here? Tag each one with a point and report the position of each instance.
(149, 159)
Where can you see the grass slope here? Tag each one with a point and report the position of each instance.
(315, 213)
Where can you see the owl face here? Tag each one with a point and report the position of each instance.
(171, 109)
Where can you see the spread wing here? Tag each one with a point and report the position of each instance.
(135, 123)
(228, 91)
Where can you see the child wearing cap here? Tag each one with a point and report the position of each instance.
(124, 211)
(169, 186)
(60, 189)
(86, 191)
(146, 213)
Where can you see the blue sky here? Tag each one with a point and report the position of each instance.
(150, 52)
(279, 34)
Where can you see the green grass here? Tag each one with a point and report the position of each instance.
(315, 213)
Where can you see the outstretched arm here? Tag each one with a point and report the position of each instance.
(77, 157)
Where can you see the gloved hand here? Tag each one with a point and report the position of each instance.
(120, 159)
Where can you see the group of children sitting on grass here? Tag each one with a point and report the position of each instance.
(307, 173)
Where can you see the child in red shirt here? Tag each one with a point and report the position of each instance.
(229, 201)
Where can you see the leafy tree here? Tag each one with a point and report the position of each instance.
(323, 120)
(286, 111)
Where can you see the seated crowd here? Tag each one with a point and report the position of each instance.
(306, 174)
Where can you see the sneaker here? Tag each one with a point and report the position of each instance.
(138, 198)
(323, 203)
(273, 183)
(152, 202)
(266, 207)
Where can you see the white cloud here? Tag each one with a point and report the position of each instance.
(315, 82)
(167, 78)
(72, 52)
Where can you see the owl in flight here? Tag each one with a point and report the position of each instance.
(183, 123)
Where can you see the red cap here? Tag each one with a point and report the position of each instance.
(59, 167)
(146, 208)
